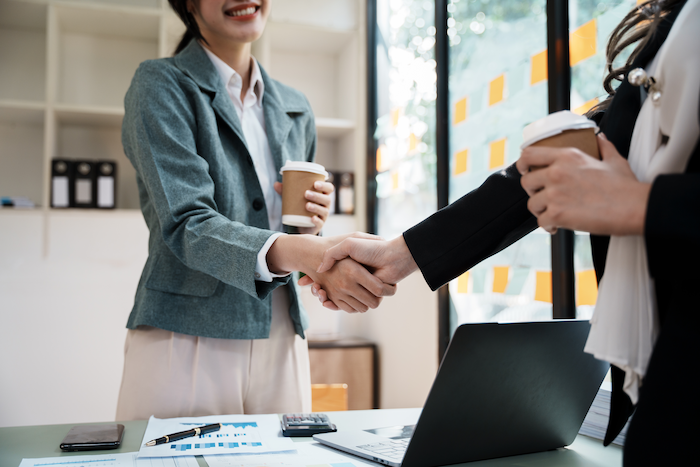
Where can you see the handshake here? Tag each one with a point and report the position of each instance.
(566, 188)
(349, 272)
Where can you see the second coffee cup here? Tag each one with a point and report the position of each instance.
(297, 178)
(562, 129)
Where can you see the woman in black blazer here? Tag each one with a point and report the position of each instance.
(664, 211)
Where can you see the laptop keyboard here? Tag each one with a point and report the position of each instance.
(394, 448)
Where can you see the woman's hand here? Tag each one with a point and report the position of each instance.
(319, 202)
(571, 190)
(389, 261)
(349, 285)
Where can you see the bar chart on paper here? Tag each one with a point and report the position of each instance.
(239, 434)
(232, 436)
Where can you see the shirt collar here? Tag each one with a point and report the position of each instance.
(226, 73)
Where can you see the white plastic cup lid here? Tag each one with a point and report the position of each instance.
(297, 221)
(553, 124)
(302, 166)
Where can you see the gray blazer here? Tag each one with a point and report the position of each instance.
(201, 198)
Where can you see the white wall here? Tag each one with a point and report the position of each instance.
(62, 332)
(405, 329)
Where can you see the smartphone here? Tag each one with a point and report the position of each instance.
(92, 437)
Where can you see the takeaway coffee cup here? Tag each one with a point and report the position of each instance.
(563, 129)
(297, 177)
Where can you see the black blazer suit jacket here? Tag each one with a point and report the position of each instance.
(495, 215)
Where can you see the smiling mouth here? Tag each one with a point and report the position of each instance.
(247, 11)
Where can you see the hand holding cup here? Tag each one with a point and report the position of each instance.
(304, 194)
(571, 188)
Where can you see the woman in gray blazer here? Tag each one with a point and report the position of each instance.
(216, 326)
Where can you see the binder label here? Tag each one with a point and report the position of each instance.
(105, 192)
(83, 191)
(59, 193)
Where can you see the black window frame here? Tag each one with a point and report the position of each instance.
(559, 96)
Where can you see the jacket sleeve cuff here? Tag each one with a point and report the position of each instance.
(262, 272)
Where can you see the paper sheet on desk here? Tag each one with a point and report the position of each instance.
(127, 459)
(241, 434)
(308, 454)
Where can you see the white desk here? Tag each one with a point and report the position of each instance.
(42, 441)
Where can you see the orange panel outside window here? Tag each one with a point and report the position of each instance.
(413, 141)
(538, 67)
(586, 288)
(500, 278)
(543, 286)
(582, 42)
(380, 150)
(496, 89)
(395, 115)
(461, 159)
(586, 107)
(463, 283)
(460, 111)
(497, 153)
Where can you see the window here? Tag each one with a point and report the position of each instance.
(497, 86)
(498, 82)
(405, 125)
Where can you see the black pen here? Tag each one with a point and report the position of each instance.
(202, 430)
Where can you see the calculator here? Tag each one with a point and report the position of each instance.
(306, 424)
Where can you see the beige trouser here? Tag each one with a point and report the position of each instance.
(167, 374)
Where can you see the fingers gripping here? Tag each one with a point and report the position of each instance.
(336, 253)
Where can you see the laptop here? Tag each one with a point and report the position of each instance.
(501, 390)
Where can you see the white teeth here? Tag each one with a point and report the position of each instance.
(247, 11)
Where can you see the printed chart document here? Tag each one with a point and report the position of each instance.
(127, 459)
(240, 434)
(309, 454)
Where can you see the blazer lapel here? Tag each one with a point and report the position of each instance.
(279, 108)
(224, 108)
(195, 63)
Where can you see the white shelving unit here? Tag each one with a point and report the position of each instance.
(65, 69)
(323, 64)
(318, 47)
(22, 97)
(66, 66)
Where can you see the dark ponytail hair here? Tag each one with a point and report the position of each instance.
(192, 32)
(638, 26)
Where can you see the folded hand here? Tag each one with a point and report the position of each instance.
(572, 190)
